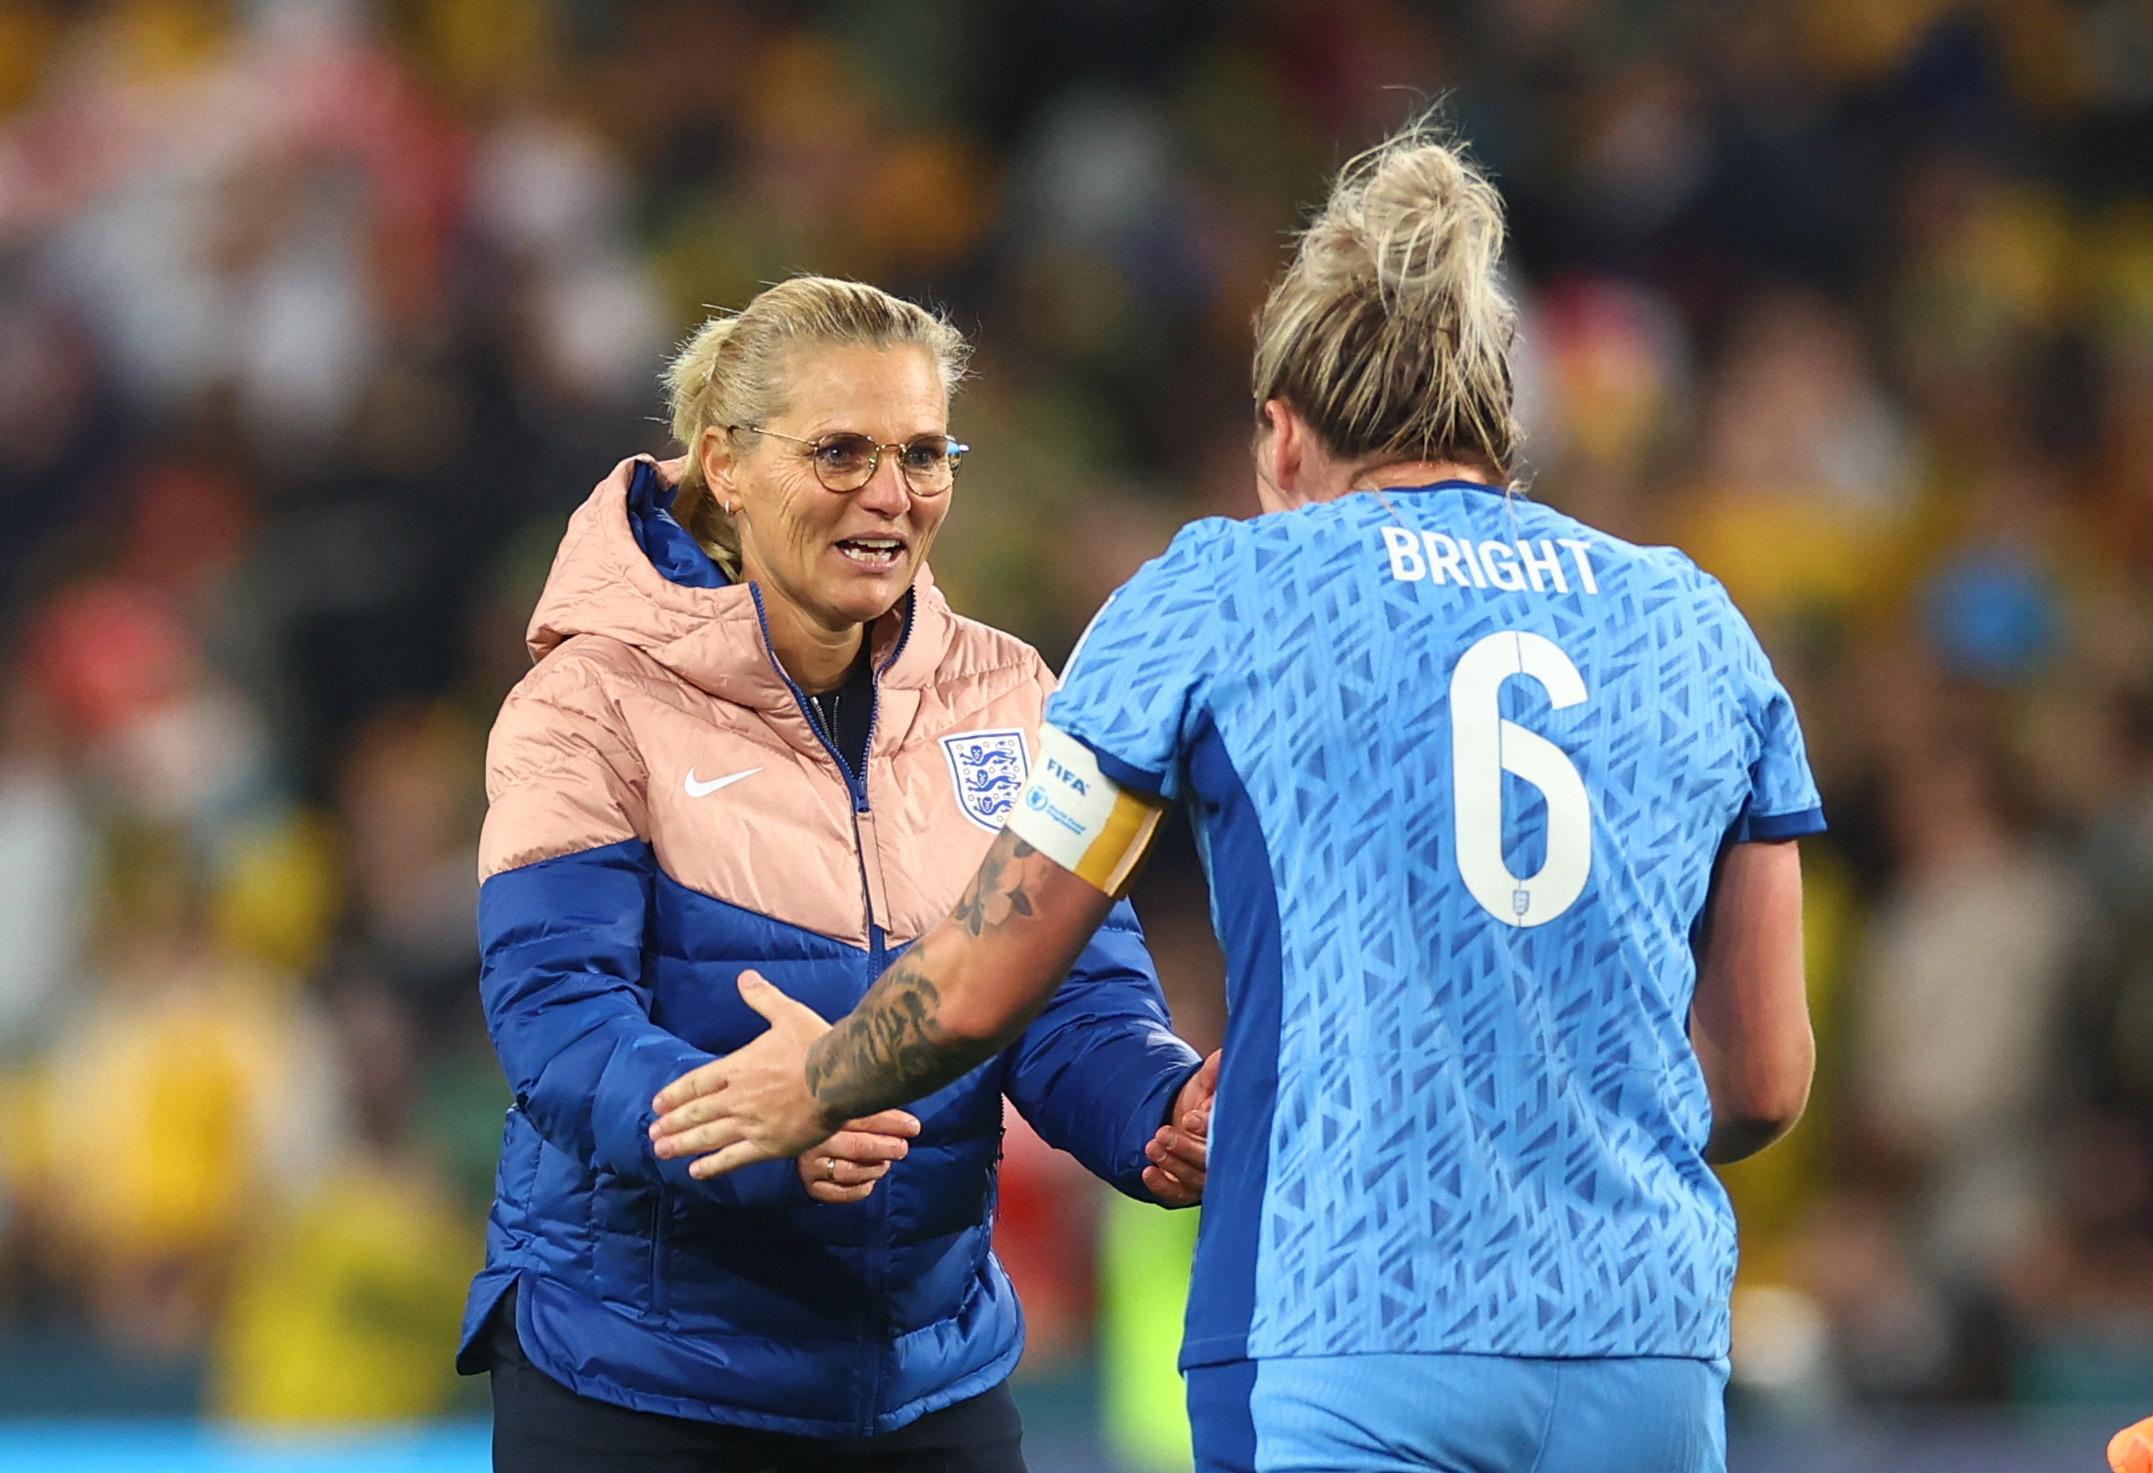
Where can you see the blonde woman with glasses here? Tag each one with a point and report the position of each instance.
(757, 736)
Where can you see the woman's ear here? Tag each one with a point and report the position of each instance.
(1289, 443)
(719, 462)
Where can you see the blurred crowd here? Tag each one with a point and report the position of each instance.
(318, 316)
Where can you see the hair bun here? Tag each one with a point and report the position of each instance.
(1434, 228)
(1391, 329)
(692, 371)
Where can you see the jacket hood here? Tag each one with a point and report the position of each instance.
(607, 580)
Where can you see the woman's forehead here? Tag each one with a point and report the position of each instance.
(894, 391)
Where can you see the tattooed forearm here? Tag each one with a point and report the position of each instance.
(990, 899)
(894, 1046)
(891, 1049)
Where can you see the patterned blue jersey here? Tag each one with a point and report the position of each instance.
(1460, 768)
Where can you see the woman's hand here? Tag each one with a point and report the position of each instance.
(1180, 1152)
(846, 1167)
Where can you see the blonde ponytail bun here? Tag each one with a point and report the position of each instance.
(1390, 330)
(690, 379)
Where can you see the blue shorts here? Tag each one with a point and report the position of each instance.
(1459, 1414)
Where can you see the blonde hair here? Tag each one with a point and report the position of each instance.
(1390, 331)
(731, 371)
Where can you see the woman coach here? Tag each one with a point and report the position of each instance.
(756, 735)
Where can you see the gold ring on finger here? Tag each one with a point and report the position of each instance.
(829, 1167)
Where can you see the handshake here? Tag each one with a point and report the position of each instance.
(846, 1167)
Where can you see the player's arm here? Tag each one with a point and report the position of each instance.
(971, 985)
(1750, 1019)
(968, 988)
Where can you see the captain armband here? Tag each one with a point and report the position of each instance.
(1082, 819)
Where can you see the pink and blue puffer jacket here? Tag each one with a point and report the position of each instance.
(664, 813)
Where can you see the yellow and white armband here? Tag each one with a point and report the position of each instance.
(1082, 819)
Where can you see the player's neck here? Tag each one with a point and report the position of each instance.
(1413, 473)
(1310, 473)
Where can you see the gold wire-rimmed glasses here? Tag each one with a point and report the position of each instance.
(845, 461)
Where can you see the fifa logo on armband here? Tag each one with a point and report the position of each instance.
(1063, 775)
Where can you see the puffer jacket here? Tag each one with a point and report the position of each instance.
(663, 812)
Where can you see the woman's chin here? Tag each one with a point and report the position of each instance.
(869, 596)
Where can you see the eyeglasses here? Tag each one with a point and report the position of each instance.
(844, 462)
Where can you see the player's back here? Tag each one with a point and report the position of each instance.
(1461, 766)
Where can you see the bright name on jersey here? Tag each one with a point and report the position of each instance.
(1438, 557)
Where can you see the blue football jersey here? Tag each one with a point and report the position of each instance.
(1459, 767)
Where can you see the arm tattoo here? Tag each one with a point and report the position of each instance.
(892, 1047)
(986, 894)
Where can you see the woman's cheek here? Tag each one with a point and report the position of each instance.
(931, 529)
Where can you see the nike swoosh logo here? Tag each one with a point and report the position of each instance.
(704, 790)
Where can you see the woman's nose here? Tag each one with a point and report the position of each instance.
(885, 490)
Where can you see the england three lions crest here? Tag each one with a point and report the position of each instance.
(988, 768)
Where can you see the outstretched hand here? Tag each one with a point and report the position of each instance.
(1180, 1152)
(753, 1104)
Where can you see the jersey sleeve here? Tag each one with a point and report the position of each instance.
(1782, 802)
(1135, 687)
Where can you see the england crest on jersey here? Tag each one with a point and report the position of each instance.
(988, 768)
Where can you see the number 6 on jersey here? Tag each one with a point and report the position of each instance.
(1484, 746)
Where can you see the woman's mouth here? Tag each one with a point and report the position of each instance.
(872, 552)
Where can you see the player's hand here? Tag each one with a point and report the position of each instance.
(846, 1167)
(753, 1104)
(1180, 1152)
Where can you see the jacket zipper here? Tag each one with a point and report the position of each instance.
(877, 940)
(855, 783)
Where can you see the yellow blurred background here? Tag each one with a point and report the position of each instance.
(318, 316)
